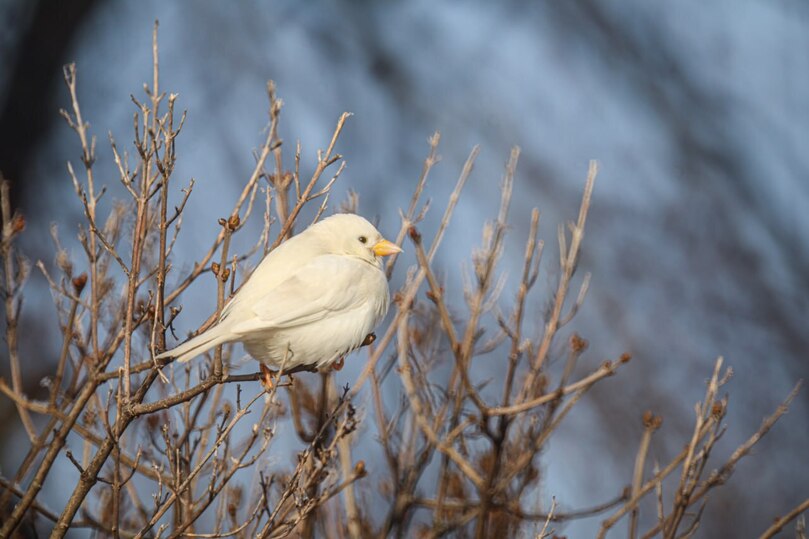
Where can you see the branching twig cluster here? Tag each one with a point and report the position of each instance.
(459, 402)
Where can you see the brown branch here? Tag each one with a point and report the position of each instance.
(245, 196)
(13, 281)
(718, 477)
(219, 441)
(436, 295)
(409, 218)
(779, 523)
(408, 294)
(650, 424)
(237, 464)
(568, 259)
(640, 493)
(77, 123)
(58, 441)
(514, 509)
(531, 259)
(608, 368)
(420, 415)
(324, 160)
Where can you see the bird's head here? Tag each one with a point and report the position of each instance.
(352, 235)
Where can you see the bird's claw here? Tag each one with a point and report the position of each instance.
(369, 339)
(266, 377)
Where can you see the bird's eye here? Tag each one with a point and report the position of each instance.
(363, 239)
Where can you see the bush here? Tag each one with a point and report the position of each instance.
(174, 450)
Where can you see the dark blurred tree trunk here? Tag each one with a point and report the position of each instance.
(32, 72)
(32, 75)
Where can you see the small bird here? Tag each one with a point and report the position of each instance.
(312, 300)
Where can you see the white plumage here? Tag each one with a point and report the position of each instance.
(310, 301)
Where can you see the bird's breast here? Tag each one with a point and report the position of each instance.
(323, 341)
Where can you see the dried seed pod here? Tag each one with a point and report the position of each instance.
(718, 409)
(79, 283)
(578, 344)
(433, 296)
(651, 421)
(17, 223)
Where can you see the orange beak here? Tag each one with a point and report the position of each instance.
(385, 248)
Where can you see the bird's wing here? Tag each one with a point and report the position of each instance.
(326, 285)
(284, 260)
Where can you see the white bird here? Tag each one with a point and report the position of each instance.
(312, 300)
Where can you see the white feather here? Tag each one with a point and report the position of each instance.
(310, 301)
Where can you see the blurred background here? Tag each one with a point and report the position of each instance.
(698, 239)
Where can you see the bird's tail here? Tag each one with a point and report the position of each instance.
(197, 345)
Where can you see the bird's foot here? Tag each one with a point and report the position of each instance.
(266, 377)
(338, 365)
(369, 339)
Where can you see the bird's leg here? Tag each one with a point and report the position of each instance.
(338, 365)
(266, 377)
